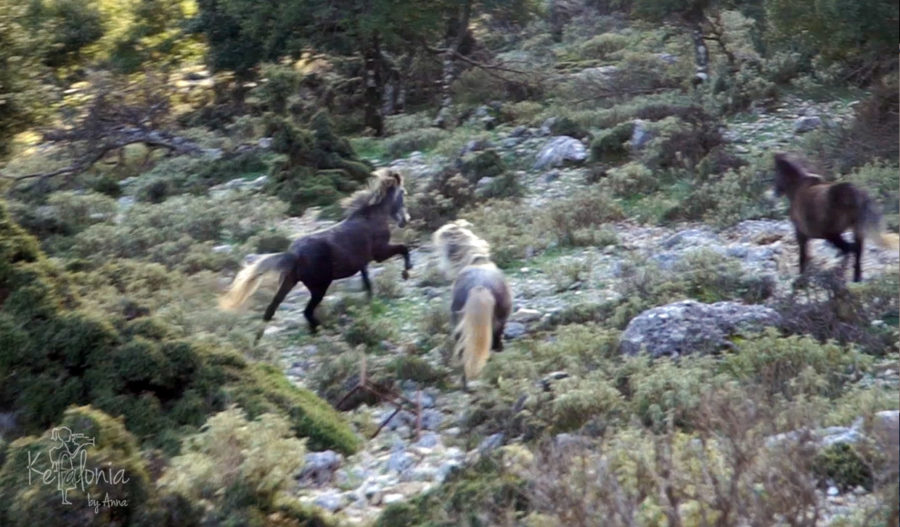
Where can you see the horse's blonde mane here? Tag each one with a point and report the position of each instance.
(381, 182)
(458, 247)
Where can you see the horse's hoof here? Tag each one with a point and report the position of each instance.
(405, 274)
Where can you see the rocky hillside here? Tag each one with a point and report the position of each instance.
(665, 363)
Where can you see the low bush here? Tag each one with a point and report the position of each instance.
(796, 365)
(422, 140)
(508, 228)
(567, 220)
(631, 179)
(234, 468)
(112, 468)
(602, 45)
(611, 145)
(172, 232)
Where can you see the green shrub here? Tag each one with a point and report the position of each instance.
(417, 369)
(566, 220)
(169, 232)
(30, 500)
(679, 143)
(567, 126)
(727, 198)
(65, 213)
(632, 178)
(522, 112)
(842, 465)
(508, 227)
(664, 392)
(422, 140)
(319, 167)
(602, 45)
(794, 365)
(234, 463)
(484, 494)
(484, 163)
(611, 146)
(477, 86)
(582, 398)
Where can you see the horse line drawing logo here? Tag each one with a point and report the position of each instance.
(68, 468)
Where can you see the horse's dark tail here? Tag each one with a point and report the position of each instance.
(475, 331)
(246, 282)
(872, 224)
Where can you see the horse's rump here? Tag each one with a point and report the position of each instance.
(847, 198)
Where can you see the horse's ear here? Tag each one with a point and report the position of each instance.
(397, 177)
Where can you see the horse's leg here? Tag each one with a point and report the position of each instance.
(287, 283)
(846, 248)
(802, 241)
(497, 340)
(857, 251)
(317, 293)
(366, 283)
(393, 250)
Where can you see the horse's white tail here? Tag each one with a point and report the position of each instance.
(475, 330)
(246, 282)
(873, 226)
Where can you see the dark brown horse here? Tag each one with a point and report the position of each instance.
(825, 210)
(481, 299)
(337, 252)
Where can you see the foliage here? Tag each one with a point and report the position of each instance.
(22, 91)
(859, 37)
(114, 452)
(178, 233)
(602, 45)
(487, 488)
(568, 220)
(319, 168)
(611, 145)
(160, 384)
(234, 467)
(75, 23)
(841, 464)
(508, 228)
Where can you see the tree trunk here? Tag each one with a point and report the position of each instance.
(456, 33)
(403, 82)
(374, 87)
(701, 57)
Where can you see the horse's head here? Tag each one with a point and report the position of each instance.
(398, 206)
(787, 174)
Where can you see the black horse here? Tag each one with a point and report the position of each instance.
(337, 252)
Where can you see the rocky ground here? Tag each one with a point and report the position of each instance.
(409, 457)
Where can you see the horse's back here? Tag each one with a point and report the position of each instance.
(826, 209)
(338, 252)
